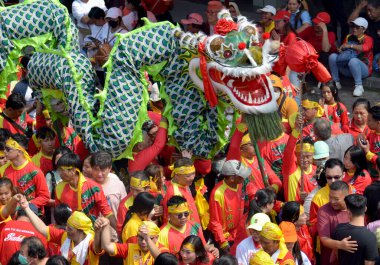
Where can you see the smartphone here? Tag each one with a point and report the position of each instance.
(363, 141)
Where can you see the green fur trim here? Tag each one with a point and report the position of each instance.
(264, 126)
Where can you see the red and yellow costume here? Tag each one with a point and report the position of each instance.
(124, 206)
(337, 115)
(256, 180)
(132, 254)
(173, 188)
(273, 153)
(24, 121)
(27, 177)
(88, 197)
(42, 161)
(292, 172)
(80, 221)
(226, 213)
(172, 237)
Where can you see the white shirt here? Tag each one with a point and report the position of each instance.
(245, 251)
(81, 9)
(130, 20)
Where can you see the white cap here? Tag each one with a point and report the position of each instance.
(235, 168)
(268, 9)
(114, 12)
(361, 22)
(258, 221)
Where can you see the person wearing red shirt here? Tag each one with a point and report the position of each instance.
(241, 149)
(358, 123)
(14, 232)
(227, 206)
(360, 66)
(355, 164)
(322, 40)
(43, 159)
(14, 118)
(294, 164)
(284, 33)
(182, 177)
(80, 193)
(24, 175)
(329, 216)
(179, 227)
(79, 244)
(144, 252)
(145, 152)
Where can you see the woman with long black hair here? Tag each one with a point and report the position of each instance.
(141, 210)
(192, 252)
(355, 164)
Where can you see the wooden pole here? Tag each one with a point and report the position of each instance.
(301, 140)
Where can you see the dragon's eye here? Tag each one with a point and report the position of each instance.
(250, 30)
(227, 54)
(216, 44)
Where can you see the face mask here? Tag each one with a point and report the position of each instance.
(113, 24)
(22, 259)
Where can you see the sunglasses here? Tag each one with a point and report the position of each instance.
(333, 177)
(180, 215)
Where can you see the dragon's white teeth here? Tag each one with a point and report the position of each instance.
(230, 83)
(249, 98)
(245, 98)
(243, 78)
(255, 101)
(223, 76)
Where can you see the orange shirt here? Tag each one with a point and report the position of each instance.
(355, 130)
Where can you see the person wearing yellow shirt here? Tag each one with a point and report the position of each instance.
(267, 12)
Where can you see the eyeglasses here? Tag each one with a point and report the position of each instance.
(337, 177)
(180, 215)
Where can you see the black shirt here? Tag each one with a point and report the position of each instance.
(367, 244)
(372, 193)
(373, 30)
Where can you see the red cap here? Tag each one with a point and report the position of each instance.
(322, 17)
(193, 18)
(282, 15)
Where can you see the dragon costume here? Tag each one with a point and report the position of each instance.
(200, 79)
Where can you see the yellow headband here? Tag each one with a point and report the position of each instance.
(184, 170)
(246, 140)
(179, 208)
(311, 105)
(79, 220)
(153, 229)
(15, 145)
(306, 147)
(190, 247)
(2, 153)
(138, 183)
(66, 168)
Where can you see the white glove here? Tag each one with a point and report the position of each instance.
(154, 93)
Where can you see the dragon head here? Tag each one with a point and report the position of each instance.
(234, 62)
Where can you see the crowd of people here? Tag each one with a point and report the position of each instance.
(309, 197)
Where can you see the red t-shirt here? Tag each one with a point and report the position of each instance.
(11, 236)
(328, 219)
(310, 36)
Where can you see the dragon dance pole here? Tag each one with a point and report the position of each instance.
(260, 159)
(302, 188)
